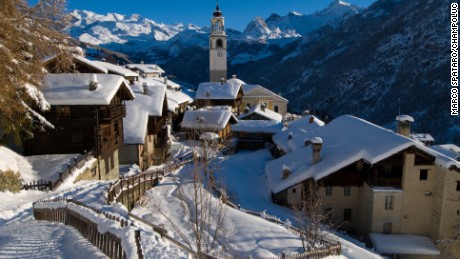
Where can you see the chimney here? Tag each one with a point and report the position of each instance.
(317, 145)
(234, 76)
(93, 84)
(145, 88)
(246, 110)
(222, 81)
(165, 80)
(286, 172)
(290, 136)
(262, 107)
(404, 123)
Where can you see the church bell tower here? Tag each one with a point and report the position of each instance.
(217, 48)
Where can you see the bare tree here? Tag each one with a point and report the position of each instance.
(203, 210)
(27, 36)
(311, 215)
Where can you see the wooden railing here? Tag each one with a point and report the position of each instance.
(164, 233)
(330, 247)
(128, 190)
(107, 242)
(314, 254)
(43, 185)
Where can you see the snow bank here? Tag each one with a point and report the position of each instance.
(104, 225)
(403, 244)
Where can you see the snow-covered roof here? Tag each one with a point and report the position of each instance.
(73, 89)
(175, 98)
(450, 150)
(248, 88)
(216, 90)
(266, 113)
(295, 134)
(234, 79)
(153, 100)
(403, 244)
(146, 68)
(422, 137)
(404, 118)
(91, 63)
(79, 58)
(212, 118)
(117, 69)
(139, 110)
(135, 123)
(346, 140)
(258, 126)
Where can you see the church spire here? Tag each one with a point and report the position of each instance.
(217, 47)
(217, 12)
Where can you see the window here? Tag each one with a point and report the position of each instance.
(294, 190)
(218, 26)
(389, 200)
(346, 190)
(328, 190)
(423, 174)
(458, 186)
(219, 44)
(347, 215)
(63, 111)
(276, 109)
(387, 227)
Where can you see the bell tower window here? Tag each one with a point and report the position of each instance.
(219, 44)
(218, 26)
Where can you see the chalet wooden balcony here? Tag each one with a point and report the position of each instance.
(155, 125)
(118, 111)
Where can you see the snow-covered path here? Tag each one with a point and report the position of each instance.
(31, 238)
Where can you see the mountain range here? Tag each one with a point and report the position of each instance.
(375, 63)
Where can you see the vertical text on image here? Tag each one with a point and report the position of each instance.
(454, 59)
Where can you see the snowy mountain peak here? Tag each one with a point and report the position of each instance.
(294, 13)
(340, 8)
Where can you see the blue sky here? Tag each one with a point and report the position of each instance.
(238, 13)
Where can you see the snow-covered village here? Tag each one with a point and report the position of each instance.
(321, 135)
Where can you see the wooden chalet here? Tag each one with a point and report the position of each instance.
(87, 112)
(220, 94)
(79, 64)
(255, 134)
(211, 119)
(146, 70)
(128, 74)
(145, 132)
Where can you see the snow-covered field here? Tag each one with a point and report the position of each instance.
(247, 235)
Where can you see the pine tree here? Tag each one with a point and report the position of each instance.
(28, 35)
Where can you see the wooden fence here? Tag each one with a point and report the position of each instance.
(331, 247)
(314, 254)
(43, 185)
(128, 190)
(164, 234)
(107, 242)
